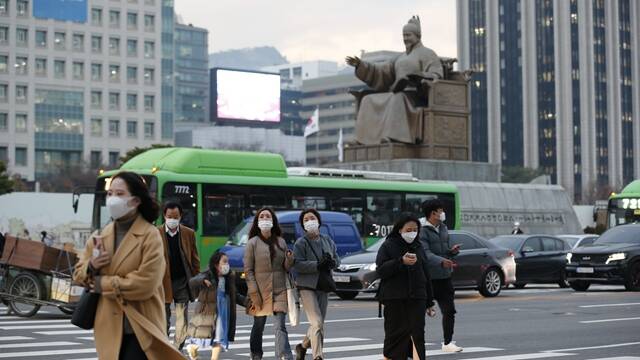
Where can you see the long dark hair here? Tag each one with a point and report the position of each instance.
(307, 211)
(214, 261)
(402, 220)
(148, 207)
(276, 232)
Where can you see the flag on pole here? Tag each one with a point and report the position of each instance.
(340, 147)
(313, 125)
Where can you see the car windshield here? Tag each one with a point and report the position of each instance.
(620, 235)
(508, 242)
(572, 240)
(240, 235)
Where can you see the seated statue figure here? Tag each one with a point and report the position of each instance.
(392, 114)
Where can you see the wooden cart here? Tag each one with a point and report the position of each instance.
(33, 275)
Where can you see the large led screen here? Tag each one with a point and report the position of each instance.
(245, 95)
(64, 10)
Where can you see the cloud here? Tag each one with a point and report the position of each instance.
(328, 29)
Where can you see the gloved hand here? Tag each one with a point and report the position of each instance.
(327, 262)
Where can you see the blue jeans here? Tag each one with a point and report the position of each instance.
(283, 348)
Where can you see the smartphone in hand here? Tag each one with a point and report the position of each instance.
(97, 246)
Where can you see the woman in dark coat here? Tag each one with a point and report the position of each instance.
(405, 290)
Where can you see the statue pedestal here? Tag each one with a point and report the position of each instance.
(392, 151)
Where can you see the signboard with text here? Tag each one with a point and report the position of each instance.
(63, 10)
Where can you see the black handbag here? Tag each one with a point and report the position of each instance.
(84, 314)
(325, 280)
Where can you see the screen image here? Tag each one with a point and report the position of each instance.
(248, 96)
(64, 10)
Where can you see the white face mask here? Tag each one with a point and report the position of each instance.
(172, 223)
(409, 237)
(224, 269)
(265, 224)
(119, 206)
(312, 226)
(443, 216)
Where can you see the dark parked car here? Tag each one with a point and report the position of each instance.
(481, 265)
(613, 259)
(539, 258)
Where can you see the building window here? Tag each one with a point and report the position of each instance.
(149, 50)
(96, 127)
(132, 48)
(149, 103)
(22, 64)
(96, 159)
(149, 23)
(114, 101)
(4, 34)
(149, 76)
(4, 122)
(149, 130)
(22, 37)
(114, 73)
(21, 123)
(59, 69)
(41, 66)
(41, 38)
(21, 156)
(4, 92)
(96, 17)
(4, 7)
(114, 18)
(132, 21)
(96, 99)
(96, 72)
(78, 42)
(21, 93)
(132, 129)
(22, 7)
(132, 102)
(4, 64)
(113, 158)
(114, 128)
(4, 154)
(78, 70)
(96, 44)
(60, 40)
(114, 46)
(132, 74)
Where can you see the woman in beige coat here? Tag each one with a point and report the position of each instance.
(266, 264)
(126, 269)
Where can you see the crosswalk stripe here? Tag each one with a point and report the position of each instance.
(272, 344)
(244, 338)
(90, 338)
(620, 358)
(522, 356)
(50, 321)
(38, 344)
(326, 321)
(19, 355)
(28, 327)
(337, 349)
(14, 338)
(65, 332)
(467, 350)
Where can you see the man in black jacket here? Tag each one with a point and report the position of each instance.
(434, 238)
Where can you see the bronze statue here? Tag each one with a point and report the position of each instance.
(391, 114)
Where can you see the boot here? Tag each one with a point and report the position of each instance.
(301, 351)
(215, 352)
(255, 356)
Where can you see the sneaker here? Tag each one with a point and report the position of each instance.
(300, 352)
(451, 347)
(192, 351)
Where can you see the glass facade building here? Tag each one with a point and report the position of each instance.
(192, 76)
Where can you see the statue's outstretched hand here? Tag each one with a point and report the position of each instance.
(353, 60)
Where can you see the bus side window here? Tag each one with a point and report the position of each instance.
(222, 212)
(184, 194)
(382, 210)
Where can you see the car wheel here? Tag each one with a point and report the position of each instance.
(491, 283)
(563, 283)
(519, 286)
(579, 285)
(633, 277)
(347, 295)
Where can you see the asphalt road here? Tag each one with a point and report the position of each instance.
(542, 322)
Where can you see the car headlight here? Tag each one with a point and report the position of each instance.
(370, 267)
(569, 256)
(616, 257)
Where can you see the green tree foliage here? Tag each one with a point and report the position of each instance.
(137, 151)
(6, 184)
(519, 174)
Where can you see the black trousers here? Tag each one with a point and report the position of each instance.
(403, 325)
(444, 294)
(130, 348)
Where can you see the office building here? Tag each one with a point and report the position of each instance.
(556, 87)
(192, 77)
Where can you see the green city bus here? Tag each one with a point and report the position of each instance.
(624, 208)
(219, 189)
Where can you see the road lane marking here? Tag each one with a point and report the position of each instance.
(65, 332)
(520, 356)
(29, 327)
(607, 305)
(48, 353)
(34, 322)
(14, 338)
(245, 338)
(38, 344)
(620, 358)
(272, 344)
(336, 349)
(593, 347)
(326, 321)
(379, 347)
(608, 320)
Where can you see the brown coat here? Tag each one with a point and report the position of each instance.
(131, 285)
(266, 279)
(205, 314)
(190, 260)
